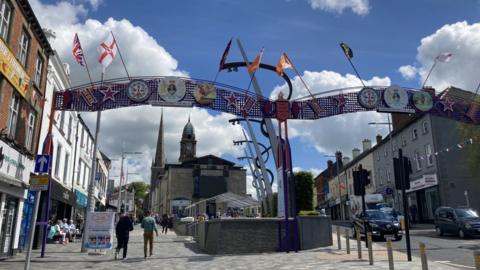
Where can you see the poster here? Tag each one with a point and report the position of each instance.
(280, 198)
(99, 232)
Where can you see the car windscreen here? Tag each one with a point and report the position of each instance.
(466, 213)
(379, 215)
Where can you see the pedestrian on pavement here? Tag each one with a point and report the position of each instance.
(148, 225)
(122, 230)
(413, 213)
(164, 223)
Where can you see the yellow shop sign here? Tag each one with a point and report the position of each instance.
(13, 70)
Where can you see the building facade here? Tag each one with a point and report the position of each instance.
(24, 54)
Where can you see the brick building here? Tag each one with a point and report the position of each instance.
(24, 54)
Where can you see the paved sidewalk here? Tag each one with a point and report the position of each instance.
(178, 252)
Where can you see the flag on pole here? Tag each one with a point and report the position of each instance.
(283, 64)
(256, 62)
(346, 50)
(77, 51)
(224, 55)
(108, 51)
(444, 57)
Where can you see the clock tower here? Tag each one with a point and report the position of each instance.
(188, 144)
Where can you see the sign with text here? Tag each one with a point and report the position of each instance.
(13, 70)
(38, 182)
(99, 232)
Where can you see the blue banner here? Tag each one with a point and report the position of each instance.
(81, 198)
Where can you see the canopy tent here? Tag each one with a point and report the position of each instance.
(231, 199)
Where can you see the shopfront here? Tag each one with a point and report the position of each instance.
(80, 206)
(423, 198)
(14, 175)
(62, 202)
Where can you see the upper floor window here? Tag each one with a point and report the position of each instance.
(24, 46)
(425, 127)
(428, 153)
(418, 161)
(65, 168)
(404, 142)
(69, 131)
(388, 176)
(5, 16)
(30, 130)
(13, 115)
(57, 160)
(414, 134)
(62, 121)
(385, 150)
(38, 70)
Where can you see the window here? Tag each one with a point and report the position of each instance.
(428, 154)
(30, 130)
(385, 151)
(65, 168)
(38, 71)
(57, 160)
(13, 115)
(414, 134)
(404, 142)
(85, 171)
(78, 172)
(5, 15)
(69, 131)
(81, 139)
(425, 127)
(23, 50)
(388, 177)
(62, 121)
(378, 156)
(418, 161)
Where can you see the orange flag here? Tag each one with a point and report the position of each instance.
(256, 63)
(283, 64)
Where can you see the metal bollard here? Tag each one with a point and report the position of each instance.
(359, 244)
(390, 253)
(370, 251)
(347, 238)
(476, 256)
(423, 256)
(338, 238)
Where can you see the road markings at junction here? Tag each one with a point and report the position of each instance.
(449, 263)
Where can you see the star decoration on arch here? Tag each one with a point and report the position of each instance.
(341, 101)
(109, 94)
(231, 100)
(447, 104)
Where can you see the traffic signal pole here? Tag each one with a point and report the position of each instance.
(404, 178)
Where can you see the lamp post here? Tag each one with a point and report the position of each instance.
(389, 123)
(121, 174)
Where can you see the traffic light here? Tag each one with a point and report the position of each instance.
(402, 169)
(361, 178)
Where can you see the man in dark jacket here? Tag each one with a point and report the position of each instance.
(122, 230)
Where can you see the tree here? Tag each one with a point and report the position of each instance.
(140, 189)
(304, 191)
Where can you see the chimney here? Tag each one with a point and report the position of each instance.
(338, 158)
(329, 166)
(345, 160)
(378, 138)
(355, 153)
(367, 144)
(50, 34)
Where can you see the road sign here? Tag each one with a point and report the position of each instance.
(42, 163)
(38, 182)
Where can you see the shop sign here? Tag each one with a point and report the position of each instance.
(427, 180)
(14, 164)
(81, 199)
(38, 182)
(13, 70)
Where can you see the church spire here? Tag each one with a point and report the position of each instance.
(160, 154)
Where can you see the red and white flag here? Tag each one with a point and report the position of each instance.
(108, 51)
(444, 57)
(256, 63)
(77, 51)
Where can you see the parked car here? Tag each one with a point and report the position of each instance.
(379, 223)
(463, 222)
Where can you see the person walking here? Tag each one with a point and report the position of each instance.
(122, 230)
(148, 225)
(164, 223)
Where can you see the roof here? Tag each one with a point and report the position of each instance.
(232, 200)
(188, 130)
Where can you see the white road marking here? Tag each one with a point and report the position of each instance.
(449, 263)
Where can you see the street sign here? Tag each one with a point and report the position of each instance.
(38, 182)
(42, 163)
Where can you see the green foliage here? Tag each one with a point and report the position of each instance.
(468, 131)
(304, 191)
(308, 213)
(140, 189)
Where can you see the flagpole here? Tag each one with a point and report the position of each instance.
(430, 72)
(120, 53)
(355, 69)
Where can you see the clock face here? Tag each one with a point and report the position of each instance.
(368, 98)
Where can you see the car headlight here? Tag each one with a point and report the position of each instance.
(468, 226)
(396, 224)
(373, 225)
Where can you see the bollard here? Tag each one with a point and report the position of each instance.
(347, 238)
(476, 256)
(359, 244)
(423, 256)
(338, 238)
(370, 251)
(390, 253)
(402, 224)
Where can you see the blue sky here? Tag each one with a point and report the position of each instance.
(384, 36)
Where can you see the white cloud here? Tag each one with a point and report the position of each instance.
(408, 72)
(137, 127)
(463, 40)
(342, 132)
(314, 171)
(359, 7)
